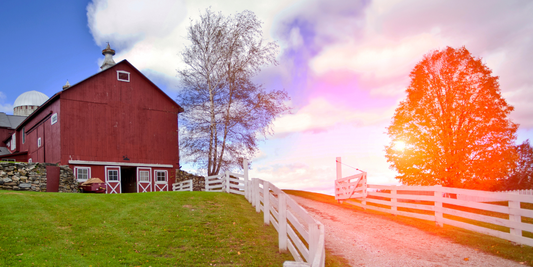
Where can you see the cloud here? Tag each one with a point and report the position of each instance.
(126, 22)
(6, 108)
(321, 115)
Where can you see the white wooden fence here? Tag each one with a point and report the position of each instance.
(504, 211)
(520, 192)
(298, 232)
(182, 186)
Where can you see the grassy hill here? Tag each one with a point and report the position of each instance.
(149, 229)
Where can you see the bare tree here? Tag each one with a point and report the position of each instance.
(225, 112)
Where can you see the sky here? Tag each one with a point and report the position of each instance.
(345, 65)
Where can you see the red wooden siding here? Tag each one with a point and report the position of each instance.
(128, 120)
(40, 126)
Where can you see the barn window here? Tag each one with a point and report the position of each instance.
(53, 120)
(112, 175)
(39, 142)
(82, 173)
(123, 76)
(144, 176)
(23, 135)
(161, 176)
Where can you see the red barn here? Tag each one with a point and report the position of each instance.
(115, 125)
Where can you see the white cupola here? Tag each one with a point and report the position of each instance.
(108, 60)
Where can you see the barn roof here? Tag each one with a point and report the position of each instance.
(72, 87)
(10, 121)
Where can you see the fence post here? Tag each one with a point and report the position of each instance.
(266, 202)
(205, 184)
(514, 216)
(227, 181)
(282, 222)
(314, 234)
(437, 193)
(363, 200)
(257, 196)
(251, 187)
(245, 167)
(394, 201)
(339, 175)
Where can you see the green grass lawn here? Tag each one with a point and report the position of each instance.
(481, 242)
(148, 229)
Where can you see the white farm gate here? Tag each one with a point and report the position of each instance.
(443, 205)
(298, 232)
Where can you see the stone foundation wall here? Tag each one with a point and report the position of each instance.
(198, 182)
(22, 176)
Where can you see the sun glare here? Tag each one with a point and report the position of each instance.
(399, 145)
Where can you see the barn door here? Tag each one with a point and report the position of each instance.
(160, 180)
(144, 180)
(112, 179)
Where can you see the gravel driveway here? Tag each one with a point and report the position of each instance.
(368, 240)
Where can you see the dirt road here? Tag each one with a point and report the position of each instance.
(368, 240)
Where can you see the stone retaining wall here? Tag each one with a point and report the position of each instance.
(22, 176)
(198, 182)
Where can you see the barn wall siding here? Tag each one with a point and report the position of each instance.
(128, 122)
(40, 126)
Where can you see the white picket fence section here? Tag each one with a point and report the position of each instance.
(298, 232)
(430, 200)
(182, 186)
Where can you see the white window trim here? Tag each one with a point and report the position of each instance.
(109, 175)
(80, 168)
(14, 141)
(147, 176)
(30, 160)
(122, 80)
(53, 120)
(166, 177)
(144, 165)
(39, 142)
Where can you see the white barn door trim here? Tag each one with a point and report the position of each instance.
(113, 185)
(160, 186)
(144, 186)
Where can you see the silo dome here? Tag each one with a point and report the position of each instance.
(27, 102)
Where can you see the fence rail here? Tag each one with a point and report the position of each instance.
(505, 215)
(182, 186)
(298, 232)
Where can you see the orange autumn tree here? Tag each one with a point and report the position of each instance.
(454, 124)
